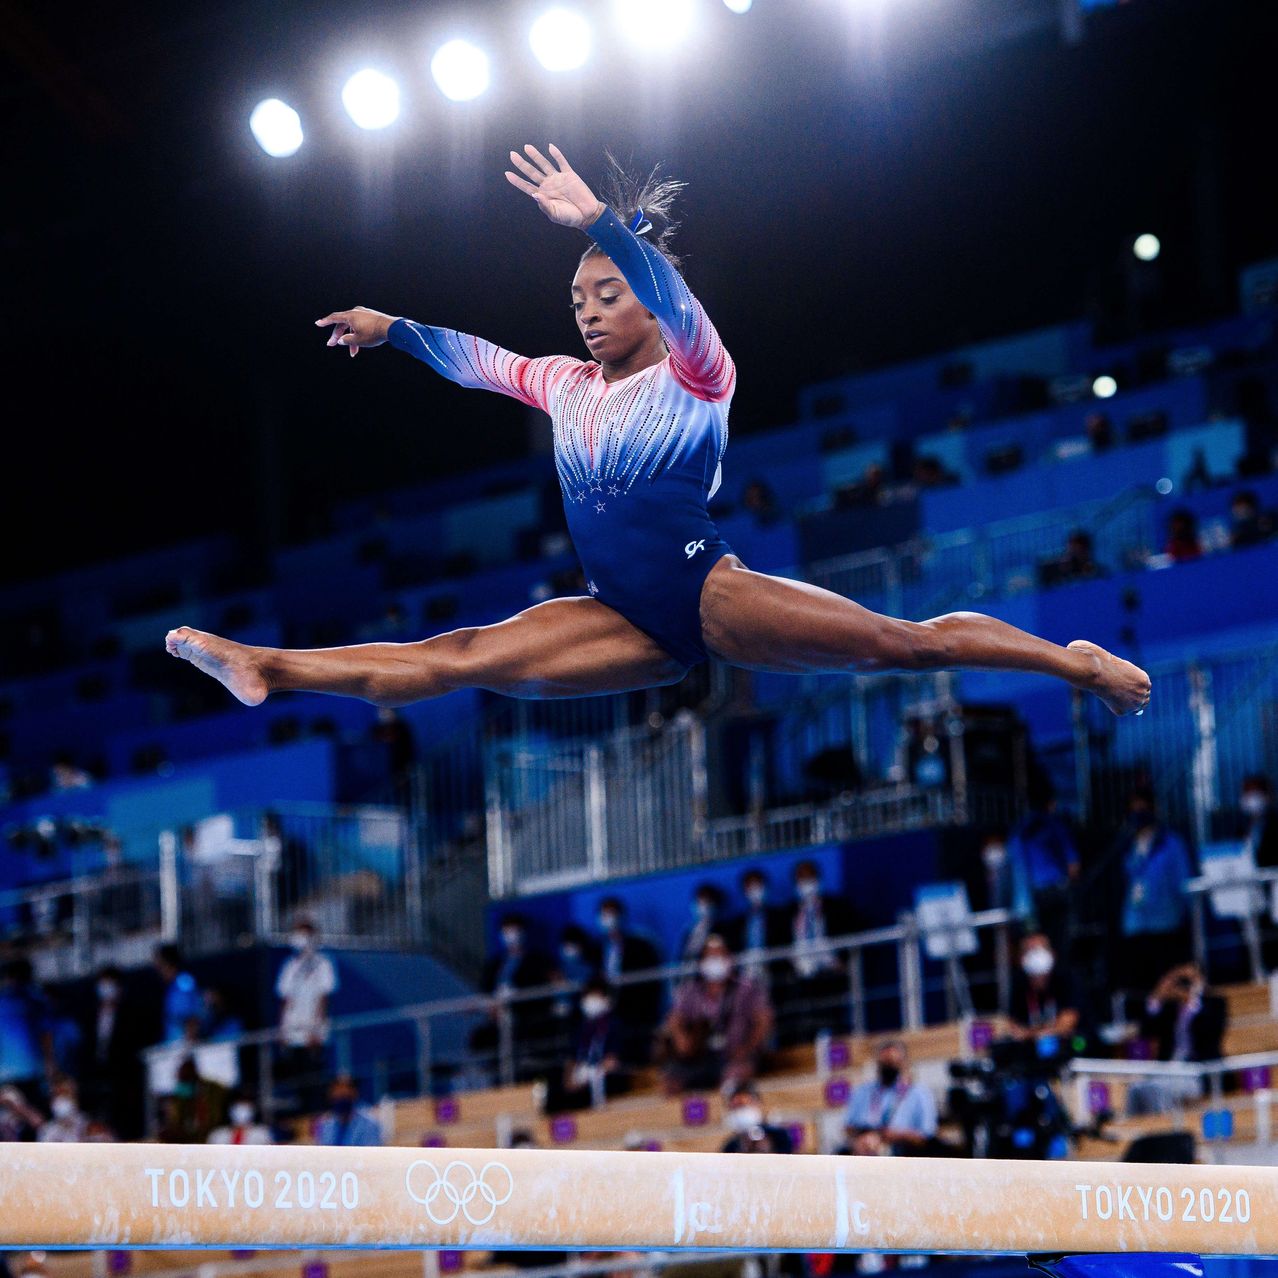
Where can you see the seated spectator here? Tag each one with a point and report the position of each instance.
(19, 1119)
(1077, 563)
(891, 1114)
(68, 1123)
(1100, 431)
(575, 964)
(242, 1129)
(1248, 525)
(761, 926)
(1256, 803)
(593, 1073)
(750, 1133)
(1183, 542)
(182, 999)
(1044, 1000)
(622, 952)
(345, 1123)
(516, 966)
(717, 1026)
(1044, 864)
(759, 501)
(1153, 925)
(817, 989)
(196, 1106)
(1184, 1023)
(707, 904)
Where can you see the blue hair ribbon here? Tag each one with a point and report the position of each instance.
(639, 224)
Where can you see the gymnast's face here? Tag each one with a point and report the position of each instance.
(610, 319)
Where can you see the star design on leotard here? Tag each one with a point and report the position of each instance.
(599, 508)
(596, 486)
(613, 490)
(581, 496)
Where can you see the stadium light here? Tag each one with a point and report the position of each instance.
(739, 6)
(277, 128)
(1147, 247)
(560, 39)
(460, 70)
(1104, 387)
(654, 24)
(371, 99)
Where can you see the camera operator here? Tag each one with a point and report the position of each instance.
(891, 1114)
(1044, 1000)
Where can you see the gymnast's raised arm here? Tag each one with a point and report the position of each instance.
(464, 359)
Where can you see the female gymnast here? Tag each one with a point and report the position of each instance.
(639, 430)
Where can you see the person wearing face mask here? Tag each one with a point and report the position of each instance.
(744, 1118)
(242, 1129)
(816, 994)
(1043, 858)
(515, 965)
(114, 1035)
(345, 1123)
(622, 952)
(890, 1114)
(307, 980)
(718, 1024)
(1043, 1001)
(760, 926)
(593, 1072)
(1260, 823)
(706, 902)
(1153, 923)
(68, 1123)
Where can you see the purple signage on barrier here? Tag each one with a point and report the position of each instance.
(696, 1113)
(242, 1254)
(563, 1130)
(1140, 1049)
(1098, 1097)
(980, 1036)
(447, 1110)
(838, 1054)
(451, 1262)
(315, 1269)
(797, 1132)
(837, 1091)
(1255, 1078)
(433, 1140)
(119, 1262)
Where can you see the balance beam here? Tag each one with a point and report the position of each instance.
(218, 1196)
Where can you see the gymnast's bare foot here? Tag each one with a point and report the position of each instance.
(232, 664)
(1123, 687)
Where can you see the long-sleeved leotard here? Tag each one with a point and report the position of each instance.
(638, 459)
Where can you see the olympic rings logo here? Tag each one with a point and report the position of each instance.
(454, 1191)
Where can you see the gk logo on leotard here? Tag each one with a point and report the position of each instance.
(693, 546)
(454, 1191)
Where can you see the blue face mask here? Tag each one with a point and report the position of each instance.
(607, 922)
(703, 909)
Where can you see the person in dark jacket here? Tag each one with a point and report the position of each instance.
(113, 1074)
(594, 1071)
(621, 953)
(750, 1133)
(515, 966)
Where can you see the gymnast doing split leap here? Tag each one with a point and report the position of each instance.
(640, 429)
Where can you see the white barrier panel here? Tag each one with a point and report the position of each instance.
(174, 1196)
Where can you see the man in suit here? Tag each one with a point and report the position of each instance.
(816, 993)
(621, 952)
(513, 967)
(115, 1032)
(760, 926)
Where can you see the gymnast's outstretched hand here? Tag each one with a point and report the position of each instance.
(356, 328)
(560, 193)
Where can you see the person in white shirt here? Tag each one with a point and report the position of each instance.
(68, 1124)
(242, 1129)
(305, 983)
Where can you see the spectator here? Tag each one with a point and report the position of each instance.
(1044, 864)
(706, 904)
(1076, 563)
(759, 927)
(516, 966)
(1185, 1023)
(196, 1106)
(1248, 525)
(593, 1073)
(1156, 868)
(1100, 431)
(717, 1026)
(1182, 537)
(1044, 1000)
(65, 775)
(577, 959)
(218, 1024)
(242, 1129)
(26, 1039)
(68, 1124)
(750, 1133)
(1256, 803)
(891, 1114)
(818, 989)
(760, 501)
(622, 952)
(114, 1036)
(306, 982)
(19, 1119)
(181, 999)
(345, 1123)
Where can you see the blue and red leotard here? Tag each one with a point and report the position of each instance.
(638, 459)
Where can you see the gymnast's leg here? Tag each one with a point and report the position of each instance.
(769, 623)
(562, 648)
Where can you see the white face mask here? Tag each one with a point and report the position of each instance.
(300, 940)
(607, 922)
(756, 893)
(594, 1005)
(994, 854)
(1038, 962)
(241, 1114)
(748, 1116)
(511, 936)
(570, 951)
(703, 909)
(63, 1107)
(108, 991)
(1253, 803)
(716, 968)
(808, 888)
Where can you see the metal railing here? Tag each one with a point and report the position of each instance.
(528, 1027)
